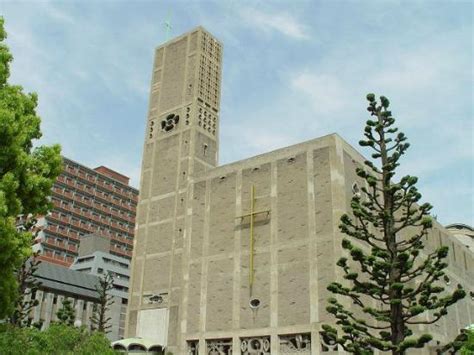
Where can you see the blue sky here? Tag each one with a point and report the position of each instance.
(293, 71)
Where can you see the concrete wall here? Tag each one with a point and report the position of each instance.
(294, 244)
(307, 188)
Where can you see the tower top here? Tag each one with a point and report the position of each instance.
(186, 34)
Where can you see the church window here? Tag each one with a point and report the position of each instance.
(327, 344)
(204, 149)
(295, 343)
(169, 122)
(219, 346)
(254, 303)
(257, 345)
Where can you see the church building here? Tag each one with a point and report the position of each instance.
(235, 259)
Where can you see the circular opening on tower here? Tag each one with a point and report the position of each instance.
(254, 303)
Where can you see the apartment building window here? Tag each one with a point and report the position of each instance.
(87, 269)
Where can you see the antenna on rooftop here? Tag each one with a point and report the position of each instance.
(168, 26)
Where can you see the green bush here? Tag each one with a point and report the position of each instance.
(468, 348)
(57, 339)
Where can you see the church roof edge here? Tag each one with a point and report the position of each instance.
(323, 141)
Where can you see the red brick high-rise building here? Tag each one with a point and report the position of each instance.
(86, 201)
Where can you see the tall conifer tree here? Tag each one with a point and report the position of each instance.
(391, 269)
(28, 284)
(100, 321)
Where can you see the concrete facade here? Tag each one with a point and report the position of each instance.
(462, 232)
(219, 268)
(95, 259)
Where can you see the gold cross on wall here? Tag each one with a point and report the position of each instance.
(252, 215)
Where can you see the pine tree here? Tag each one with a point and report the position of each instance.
(28, 284)
(66, 314)
(100, 320)
(391, 270)
(26, 176)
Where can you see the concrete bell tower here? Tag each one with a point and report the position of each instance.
(181, 141)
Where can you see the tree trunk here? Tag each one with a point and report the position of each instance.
(396, 310)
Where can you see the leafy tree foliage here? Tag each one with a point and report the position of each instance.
(57, 339)
(463, 344)
(100, 320)
(390, 221)
(468, 346)
(26, 176)
(66, 314)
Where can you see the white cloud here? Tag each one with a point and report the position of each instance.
(325, 93)
(279, 22)
(57, 14)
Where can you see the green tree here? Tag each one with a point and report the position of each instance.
(66, 314)
(388, 219)
(463, 344)
(26, 176)
(100, 320)
(57, 339)
(468, 347)
(27, 287)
